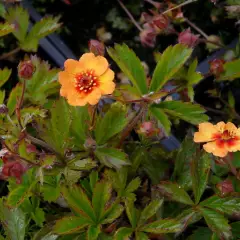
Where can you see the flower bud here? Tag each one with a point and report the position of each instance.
(3, 109)
(13, 169)
(148, 129)
(225, 187)
(26, 69)
(216, 66)
(148, 37)
(90, 143)
(187, 38)
(160, 22)
(96, 47)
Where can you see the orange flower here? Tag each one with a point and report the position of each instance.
(221, 138)
(86, 80)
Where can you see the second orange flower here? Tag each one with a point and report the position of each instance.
(86, 80)
(221, 138)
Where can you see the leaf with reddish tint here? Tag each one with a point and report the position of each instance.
(174, 192)
(69, 225)
(200, 169)
(123, 233)
(227, 205)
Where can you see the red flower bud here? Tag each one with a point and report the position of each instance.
(148, 37)
(148, 129)
(187, 38)
(13, 169)
(160, 22)
(96, 47)
(26, 69)
(216, 66)
(225, 187)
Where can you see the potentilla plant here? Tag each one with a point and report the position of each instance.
(82, 155)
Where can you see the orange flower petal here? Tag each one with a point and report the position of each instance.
(221, 127)
(213, 148)
(234, 146)
(73, 66)
(107, 86)
(107, 76)
(67, 83)
(76, 100)
(206, 132)
(93, 97)
(231, 128)
(99, 63)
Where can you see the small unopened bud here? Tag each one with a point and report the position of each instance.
(188, 39)
(216, 66)
(3, 109)
(26, 69)
(96, 47)
(148, 129)
(160, 22)
(148, 37)
(90, 143)
(225, 187)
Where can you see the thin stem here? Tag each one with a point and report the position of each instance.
(180, 5)
(131, 125)
(9, 54)
(231, 167)
(19, 104)
(130, 16)
(212, 42)
(215, 111)
(237, 116)
(196, 28)
(41, 143)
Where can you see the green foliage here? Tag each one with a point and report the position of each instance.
(189, 112)
(231, 71)
(170, 62)
(112, 123)
(4, 75)
(129, 63)
(6, 28)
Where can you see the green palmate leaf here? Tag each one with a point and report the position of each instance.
(40, 30)
(132, 186)
(132, 213)
(228, 205)
(112, 123)
(19, 17)
(79, 127)
(149, 211)
(161, 117)
(131, 66)
(38, 216)
(14, 222)
(231, 70)
(71, 224)
(51, 188)
(2, 96)
(93, 232)
(6, 28)
(112, 157)
(141, 236)
(193, 77)
(2, 10)
(192, 113)
(200, 172)
(123, 233)
(18, 195)
(174, 192)
(4, 75)
(43, 82)
(101, 195)
(111, 214)
(56, 130)
(170, 62)
(162, 226)
(217, 223)
(187, 217)
(79, 202)
(182, 165)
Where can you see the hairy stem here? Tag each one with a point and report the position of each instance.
(130, 16)
(9, 54)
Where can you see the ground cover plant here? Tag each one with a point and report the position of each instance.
(81, 148)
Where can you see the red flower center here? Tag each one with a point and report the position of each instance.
(86, 81)
(227, 138)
